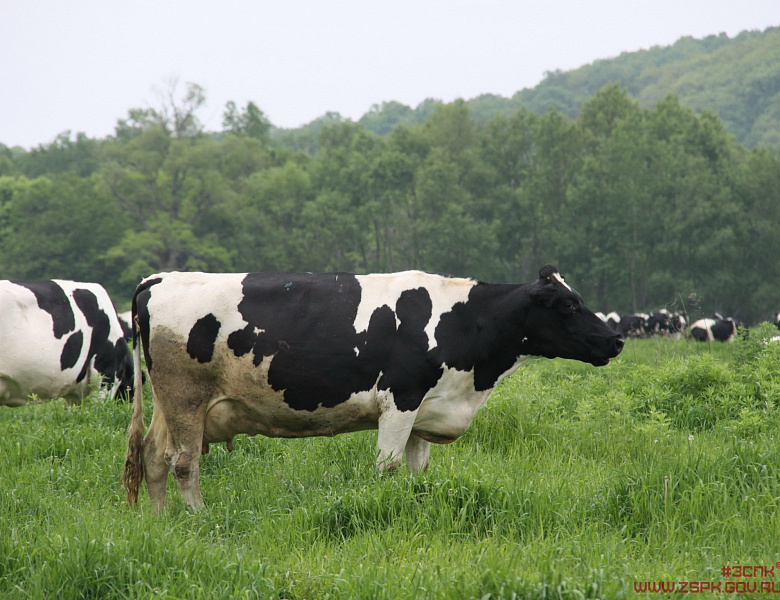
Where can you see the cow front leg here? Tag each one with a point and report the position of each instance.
(418, 451)
(395, 428)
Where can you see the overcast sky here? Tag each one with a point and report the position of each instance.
(80, 65)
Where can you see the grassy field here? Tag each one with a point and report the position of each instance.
(573, 482)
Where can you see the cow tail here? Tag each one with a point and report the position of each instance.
(134, 465)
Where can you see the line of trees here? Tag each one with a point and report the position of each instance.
(639, 208)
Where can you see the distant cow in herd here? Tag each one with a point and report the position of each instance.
(60, 339)
(411, 354)
(714, 329)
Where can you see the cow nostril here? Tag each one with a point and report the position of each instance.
(619, 343)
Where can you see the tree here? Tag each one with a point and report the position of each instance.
(174, 116)
(178, 116)
(58, 228)
(270, 232)
(178, 200)
(251, 122)
(546, 223)
(80, 155)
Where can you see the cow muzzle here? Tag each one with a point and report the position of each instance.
(616, 347)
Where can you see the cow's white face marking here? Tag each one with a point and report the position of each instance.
(560, 280)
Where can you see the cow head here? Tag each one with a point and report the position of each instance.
(559, 325)
(115, 365)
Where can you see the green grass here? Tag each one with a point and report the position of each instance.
(573, 482)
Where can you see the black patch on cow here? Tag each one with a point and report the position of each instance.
(71, 351)
(699, 334)
(203, 335)
(483, 333)
(52, 299)
(100, 346)
(242, 341)
(140, 309)
(112, 358)
(306, 322)
(410, 372)
(723, 330)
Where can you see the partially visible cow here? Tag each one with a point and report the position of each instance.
(708, 330)
(664, 322)
(633, 325)
(124, 321)
(613, 320)
(411, 354)
(678, 322)
(658, 322)
(60, 339)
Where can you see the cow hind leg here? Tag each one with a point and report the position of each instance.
(185, 466)
(417, 453)
(183, 450)
(155, 464)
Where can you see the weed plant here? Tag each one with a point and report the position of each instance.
(573, 482)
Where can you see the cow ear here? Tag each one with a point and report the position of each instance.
(546, 273)
(544, 293)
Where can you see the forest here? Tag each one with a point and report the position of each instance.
(736, 78)
(640, 208)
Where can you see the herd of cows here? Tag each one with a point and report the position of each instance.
(663, 322)
(410, 354)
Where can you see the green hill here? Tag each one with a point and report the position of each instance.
(736, 78)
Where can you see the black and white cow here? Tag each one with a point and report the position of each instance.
(411, 354)
(60, 339)
(708, 330)
(633, 325)
(124, 322)
(663, 322)
(613, 320)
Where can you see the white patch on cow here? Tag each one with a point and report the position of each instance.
(379, 290)
(449, 408)
(191, 296)
(560, 280)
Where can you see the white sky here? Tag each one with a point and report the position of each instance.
(80, 65)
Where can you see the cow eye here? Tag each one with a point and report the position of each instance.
(570, 305)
